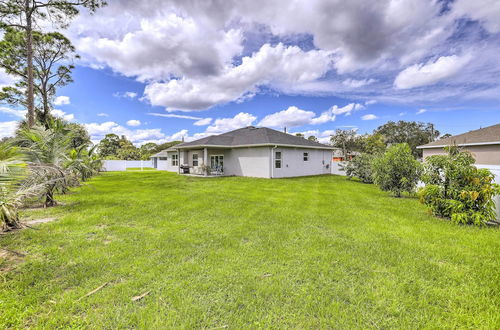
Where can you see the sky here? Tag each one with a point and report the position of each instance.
(158, 70)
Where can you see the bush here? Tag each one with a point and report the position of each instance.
(396, 170)
(360, 167)
(457, 190)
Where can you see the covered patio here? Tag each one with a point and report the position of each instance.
(202, 162)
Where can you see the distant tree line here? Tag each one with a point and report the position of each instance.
(116, 147)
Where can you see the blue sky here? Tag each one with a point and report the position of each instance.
(162, 70)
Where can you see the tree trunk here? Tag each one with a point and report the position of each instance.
(29, 54)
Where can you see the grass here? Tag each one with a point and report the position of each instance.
(141, 169)
(311, 252)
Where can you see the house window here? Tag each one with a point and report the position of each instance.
(217, 162)
(163, 158)
(306, 156)
(277, 159)
(175, 160)
(195, 159)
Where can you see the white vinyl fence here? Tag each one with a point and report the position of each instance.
(336, 169)
(122, 165)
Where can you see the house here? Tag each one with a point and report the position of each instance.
(484, 144)
(250, 151)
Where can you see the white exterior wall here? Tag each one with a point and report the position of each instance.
(252, 162)
(293, 164)
(495, 169)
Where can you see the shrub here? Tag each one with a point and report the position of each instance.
(457, 190)
(396, 170)
(360, 167)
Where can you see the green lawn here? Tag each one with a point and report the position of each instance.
(310, 252)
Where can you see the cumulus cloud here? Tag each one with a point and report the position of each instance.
(369, 117)
(63, 115)
(62, 100)
(196, 54)
(431, 72)
(7, 128)
(222, 125)
(133, 122)
(347, 110)
(421, 111)
(271, 65)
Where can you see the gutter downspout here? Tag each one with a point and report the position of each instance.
(272, 160)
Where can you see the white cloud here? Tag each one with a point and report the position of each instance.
(290, 117)
(62, 114)
(369, 102)
(353, 83)
(127, 95)
(102, 114)
(431, 72)
(62, 100)
(277, 66)
(222, 125)
(323, 137)
(8, 128)
(347, 110)
(13, 112)
(485, 11)
(203, 122)
(6, 79)
(421, 111)
(133, 122)
(369, 117)
(171, 115)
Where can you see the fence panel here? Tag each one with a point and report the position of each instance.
(122, 165)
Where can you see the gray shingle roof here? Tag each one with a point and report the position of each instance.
(487, 135)
(251, 135)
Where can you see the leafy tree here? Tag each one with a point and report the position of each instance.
(312, 138)
(299, 135)
(79, 136)
(411, 133)
(347, 140)
(166, 145)
(52, 55)
(396, 170)
(373, 143)
(147, 149)
(457, 190)
(129, 153)
(360, 167)
(24, 15)
(445, 136)
(109, 146)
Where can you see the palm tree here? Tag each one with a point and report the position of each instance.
(84, 162)
(47, 152)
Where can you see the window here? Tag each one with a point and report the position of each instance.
(217, 162)
(175, 160)
(163, 158)
(306, 156)
(277, 159)
(195, 159)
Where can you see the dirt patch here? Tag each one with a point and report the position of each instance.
(39, 221)
(9, 259)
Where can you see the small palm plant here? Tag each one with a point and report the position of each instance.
(12, 173)
(84, 162)
(47, 153)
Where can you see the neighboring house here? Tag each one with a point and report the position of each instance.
(338, 155)
(250, 151)
(484, 144)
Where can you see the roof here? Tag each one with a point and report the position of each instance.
(253, 136)
(163, 153)
(483, 136)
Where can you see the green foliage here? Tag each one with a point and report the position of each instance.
(412, 133)
(360, 167)
(53, 55)
(396, 170)
(109, 146)
(457, 190)
(312, 138)
(347, 140)
(373, 143)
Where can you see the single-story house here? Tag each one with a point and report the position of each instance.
(249, 151)
(484, 144)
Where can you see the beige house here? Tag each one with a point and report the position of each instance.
(484, 144)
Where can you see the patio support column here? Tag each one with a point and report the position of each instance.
(205, 159)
